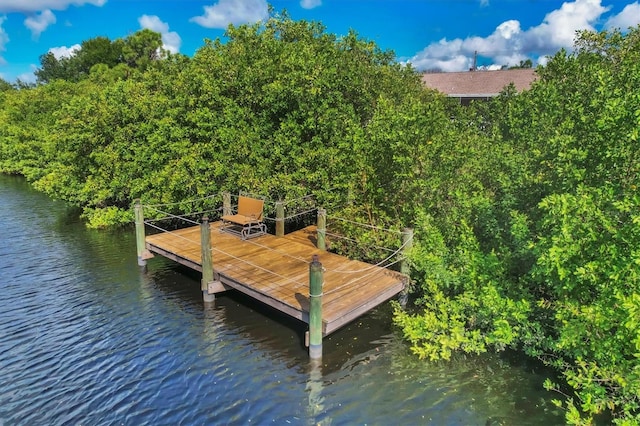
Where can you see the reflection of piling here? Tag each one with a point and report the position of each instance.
(140, 239)
(315, 308)
(322, 229)
(314, 389)
(207, 261)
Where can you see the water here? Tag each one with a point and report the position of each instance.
(87, 338)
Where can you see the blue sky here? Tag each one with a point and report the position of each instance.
(431, 34)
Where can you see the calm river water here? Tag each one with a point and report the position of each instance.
(88, 338)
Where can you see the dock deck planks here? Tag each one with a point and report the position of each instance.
(275, 271)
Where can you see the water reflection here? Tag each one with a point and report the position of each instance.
(314, 389)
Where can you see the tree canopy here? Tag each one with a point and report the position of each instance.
(136, 51)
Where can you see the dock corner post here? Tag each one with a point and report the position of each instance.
(407, 243)
(226, 203)
(207, 262)
(315, 308)
(322, 229)
(279, 219)
(140, 237)
(405, 269)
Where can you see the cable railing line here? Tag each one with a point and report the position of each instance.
(172, 233)
(176, 216)
(365, 225)
(329, 234)
(186, 214)
(194, 200)
(257, 266)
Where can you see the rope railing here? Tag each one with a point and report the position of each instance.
(285, 254)
(292, 216)
(224, 253)
(308, 197)
(173, 216)
(329, 234)
(360, 278)
(172, 233)
(365, 225)
(194, 200)
(379, 264)
(384, 263)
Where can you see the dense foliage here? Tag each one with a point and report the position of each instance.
(525, 209)
(544, 255)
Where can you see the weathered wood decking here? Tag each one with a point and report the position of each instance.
(275, 271)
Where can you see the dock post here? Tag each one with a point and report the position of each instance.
(322, 229)
(207, 262)
(140, 239)
(279, 219)
(226, 203)
(315, 308)
(407, 243)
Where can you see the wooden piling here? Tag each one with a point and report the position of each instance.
(315, 308)
(279, 219)
(322, 229)
(140, 237)
(407, 243)
(226, 204)
(207, 262)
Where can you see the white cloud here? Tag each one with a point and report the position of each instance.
(4, 39)
(310, 4)
(509, 44)
(30, 6)
(484, 3)
(236, 12)
(559, 27)
(629, 17)
(37, 23)
(64, 51)
(171, 40)
(28, 77)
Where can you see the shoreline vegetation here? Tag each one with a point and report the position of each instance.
(525, 208)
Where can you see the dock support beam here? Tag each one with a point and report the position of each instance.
(279, 219)
(322, 229)
(315, 308)
(140, 239)
(207, 262)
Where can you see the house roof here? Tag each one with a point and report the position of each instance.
(479, 83)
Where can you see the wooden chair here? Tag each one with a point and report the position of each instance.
(248, 221)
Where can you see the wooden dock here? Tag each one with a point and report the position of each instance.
(275, 271)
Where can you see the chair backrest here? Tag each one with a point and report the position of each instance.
(250, 207)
